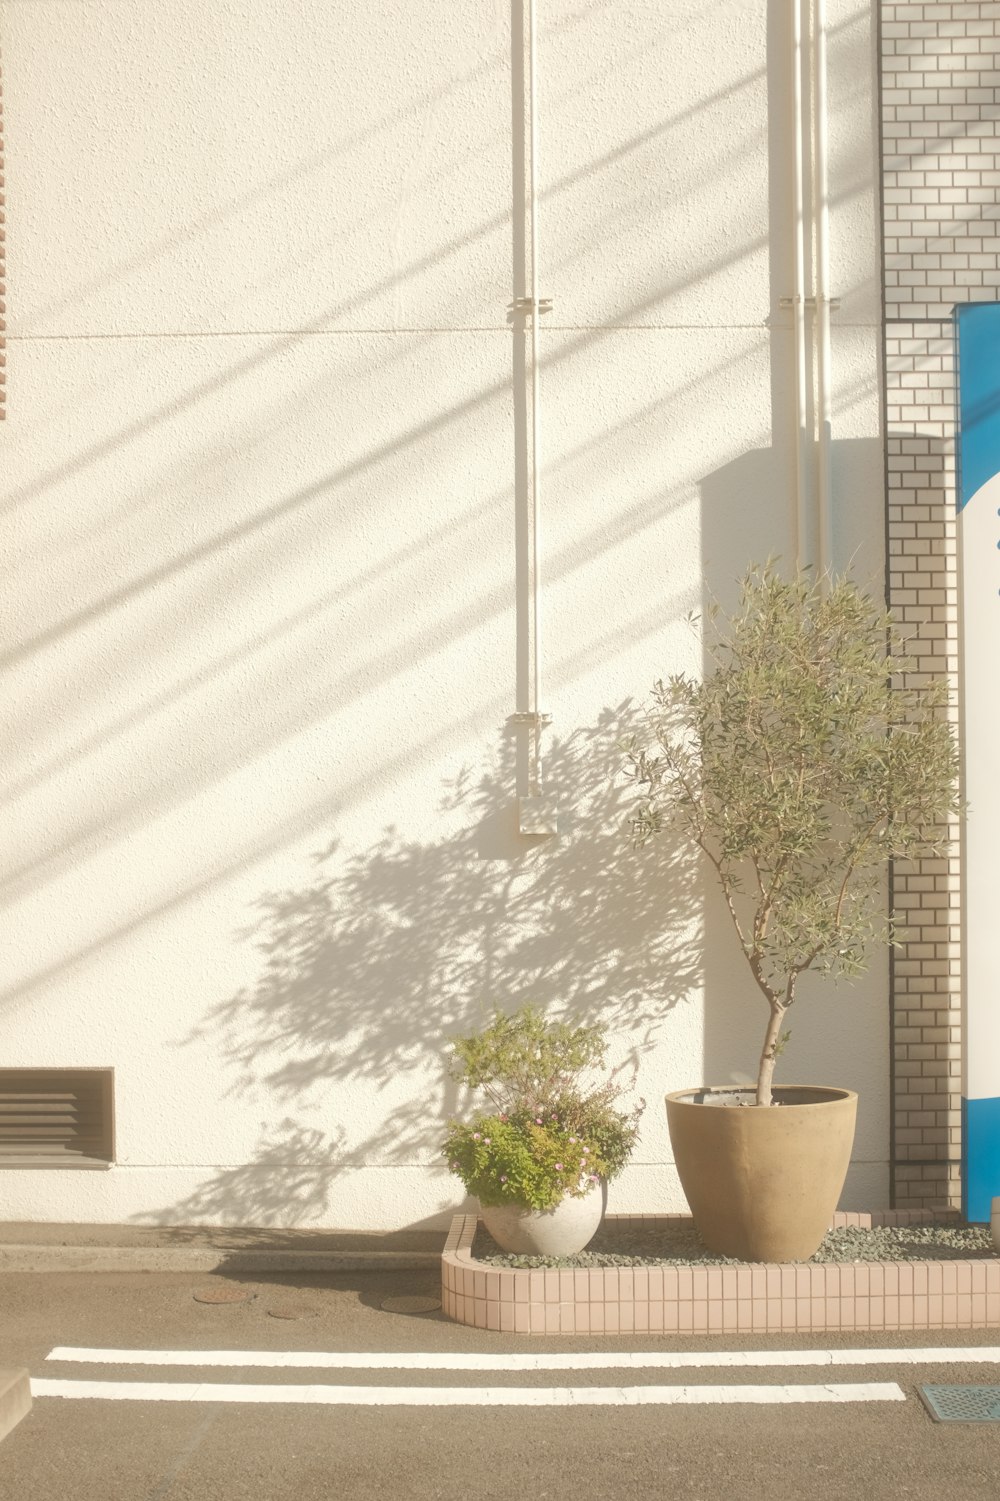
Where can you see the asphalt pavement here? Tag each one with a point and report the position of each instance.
(304, 1385)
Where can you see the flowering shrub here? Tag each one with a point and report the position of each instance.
(550, 1136)
(522, 1160)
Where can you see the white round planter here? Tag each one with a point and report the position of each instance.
(561, 1231)
(995, 1222)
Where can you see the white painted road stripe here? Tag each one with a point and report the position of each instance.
(467, 1396)
(378, 1360)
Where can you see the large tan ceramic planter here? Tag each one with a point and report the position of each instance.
(762, 1183)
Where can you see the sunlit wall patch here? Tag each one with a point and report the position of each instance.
(3, 284)
(978, 493)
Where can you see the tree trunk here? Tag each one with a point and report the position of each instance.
(765, 1071)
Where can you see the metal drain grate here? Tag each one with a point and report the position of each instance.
(962, 1404)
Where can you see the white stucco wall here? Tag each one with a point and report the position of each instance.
(263, 526)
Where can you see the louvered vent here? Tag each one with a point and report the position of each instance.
(56, 1117)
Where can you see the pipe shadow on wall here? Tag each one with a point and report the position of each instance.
(733, 499)
(741, 525)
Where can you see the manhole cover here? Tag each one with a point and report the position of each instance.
(411, 1305)
(285, 1311)
(962, 1404)
(224, 1295)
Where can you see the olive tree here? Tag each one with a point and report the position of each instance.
(798, 766)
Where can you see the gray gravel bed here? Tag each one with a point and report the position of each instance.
(668, 1245)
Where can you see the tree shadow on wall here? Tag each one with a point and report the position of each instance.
(291, 1154)
(373, 966)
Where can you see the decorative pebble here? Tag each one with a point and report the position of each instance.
(667, 1246)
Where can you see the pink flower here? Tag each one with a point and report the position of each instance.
(559, 1167)
(486, 1141)
(475, 1136)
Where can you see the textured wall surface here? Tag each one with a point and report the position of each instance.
(265, 501)
(941, 87)
(3, 288)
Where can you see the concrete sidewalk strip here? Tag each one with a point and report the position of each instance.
(15, 1399)
(51, 1258)
(631, 1360)
(485, 1396)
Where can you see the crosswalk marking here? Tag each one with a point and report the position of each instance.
(485, 1396)
(509, 1363)
(625, 1360)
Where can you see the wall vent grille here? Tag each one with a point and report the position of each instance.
(56, 1117)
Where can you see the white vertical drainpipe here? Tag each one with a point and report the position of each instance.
(821, 196)
(798, 295)
(536, 614)
(536, 815)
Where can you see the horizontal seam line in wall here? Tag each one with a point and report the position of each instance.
(254, 333)
(341, 333)
(320, 1162)
(326, 1162)
(926, 1161)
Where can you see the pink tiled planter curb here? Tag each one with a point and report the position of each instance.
(756, 1299)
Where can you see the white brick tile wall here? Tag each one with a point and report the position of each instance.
(941, 174)
(3, 299)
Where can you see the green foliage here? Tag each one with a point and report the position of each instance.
(553, 1132)
(798, 767)
(521, 1160)
(524, 1061)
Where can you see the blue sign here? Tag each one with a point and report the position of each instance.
(978, 342)
(978, 348)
